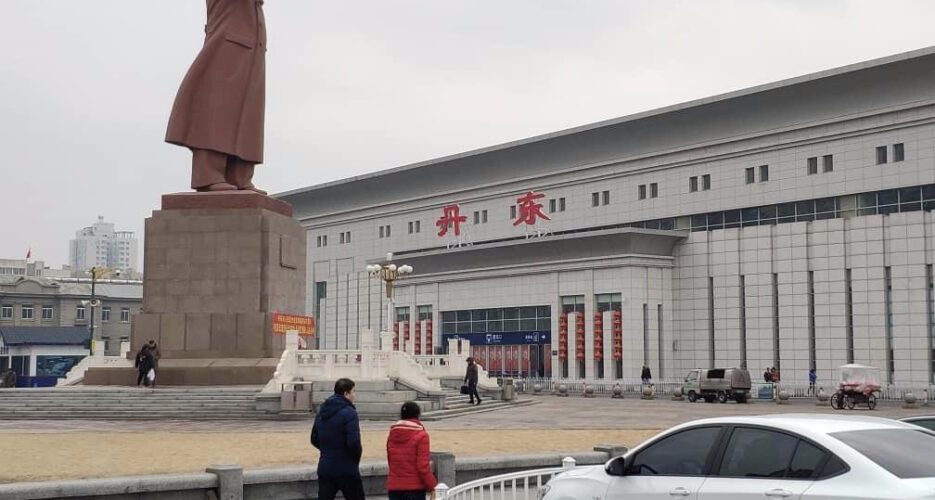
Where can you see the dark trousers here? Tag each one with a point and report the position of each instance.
(472, 391)
(350, 486)
(406, 495)
(141, 378)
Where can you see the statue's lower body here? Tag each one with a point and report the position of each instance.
(216, 171)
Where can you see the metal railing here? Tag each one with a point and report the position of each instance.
(522, 485)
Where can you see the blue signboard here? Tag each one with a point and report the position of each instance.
(502, 338)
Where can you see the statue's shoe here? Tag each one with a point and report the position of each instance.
(220, 186)
(253, 188)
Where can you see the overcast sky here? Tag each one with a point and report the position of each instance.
(359, 86)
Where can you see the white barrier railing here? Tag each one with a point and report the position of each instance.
(523, 485)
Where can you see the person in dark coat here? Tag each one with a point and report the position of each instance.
(154, 352)
(470, 378)
(218, 112)
(407, 454)
(646, 376)
(144, 363)
(336, 433)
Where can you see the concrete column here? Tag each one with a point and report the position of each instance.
(230, 481)
(444, 467)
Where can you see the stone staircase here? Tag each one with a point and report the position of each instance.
(458, 405)
(215, 403)
(128, 403)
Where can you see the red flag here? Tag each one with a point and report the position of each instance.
(28, 253)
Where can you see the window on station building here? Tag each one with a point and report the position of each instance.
(6, 311)
(654, 190)
(80, 313)
(764, 173)
(26, 311)
(595, 199)
(125, 315)
(881, 155)
(705, 182)
(641, 191)
(693, 184)
(899, 152)
(750, 175)
(105, 314)
(512, 211)
(402, 314)
(497, 320)
(811, 165)
(827, 163)
(46, 312)
(425, 313)
(605, 197)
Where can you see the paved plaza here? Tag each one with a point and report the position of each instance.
(551, 412)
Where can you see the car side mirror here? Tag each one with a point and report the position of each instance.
(619, 466)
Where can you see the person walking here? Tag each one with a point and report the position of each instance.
(470, 378)
(336, 434)
(144, 363)
(407, 453)
(646, 376)
(154, 352)
(812, 379)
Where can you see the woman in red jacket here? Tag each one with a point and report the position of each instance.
(407, 451)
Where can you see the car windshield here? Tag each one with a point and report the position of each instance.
(889, 448)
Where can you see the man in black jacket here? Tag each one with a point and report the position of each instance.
(470, 378)
(336, 433)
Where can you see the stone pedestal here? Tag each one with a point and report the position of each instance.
(216, 266)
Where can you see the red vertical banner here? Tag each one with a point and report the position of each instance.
(563, 337)
(545, 355)
(579, 337)
(406, 333)
(517, 364)
(396, 335)
(598, 336)
(418, 346)
(618, 335)
(524, 366)
(479, 353)
(428, 337)
(496, 358)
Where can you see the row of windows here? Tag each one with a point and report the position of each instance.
(425, 313)
(883, 202)
(693, 183)
(750, 177)
(827, 164)
(653, 191)
(505, 319)
(750, 174)
(27, 311)
(345, 237)
(899, 153)
(601, 198)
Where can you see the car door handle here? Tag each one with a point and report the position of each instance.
(680, 492)
(778, 493)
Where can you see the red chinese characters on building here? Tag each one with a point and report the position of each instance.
(451, 217)
(529, 210)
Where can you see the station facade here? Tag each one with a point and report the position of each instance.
(788, 225)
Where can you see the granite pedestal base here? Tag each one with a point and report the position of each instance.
(216, 266)
(188, 372)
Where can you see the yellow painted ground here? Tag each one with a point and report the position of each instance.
(49, 456)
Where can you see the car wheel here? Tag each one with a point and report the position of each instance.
(692, 397)
(721, 397)
(849, 401)
(872, 401)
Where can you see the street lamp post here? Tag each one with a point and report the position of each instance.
(96, 273)
(389, 273)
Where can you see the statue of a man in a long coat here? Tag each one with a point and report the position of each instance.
(218, 111)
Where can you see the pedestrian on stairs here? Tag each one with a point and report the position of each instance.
(336, 433)
(408, 456)
(144, 363)
(470, 378)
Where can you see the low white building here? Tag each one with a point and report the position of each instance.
(41, 354)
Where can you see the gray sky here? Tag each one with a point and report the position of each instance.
(353, 87)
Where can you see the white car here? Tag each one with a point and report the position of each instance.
(811, 457)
